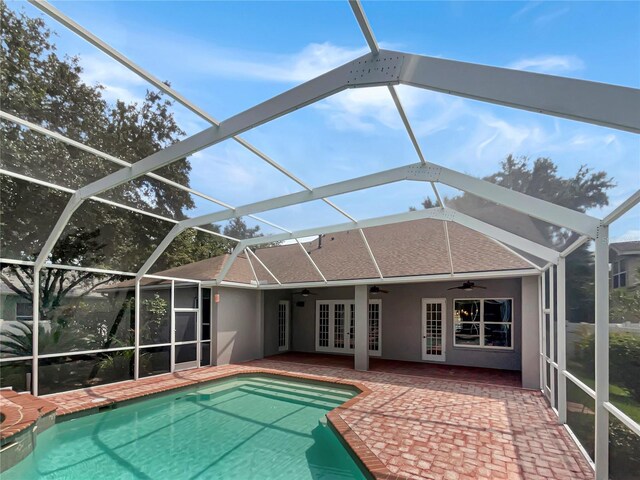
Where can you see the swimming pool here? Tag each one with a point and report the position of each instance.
(262, 427)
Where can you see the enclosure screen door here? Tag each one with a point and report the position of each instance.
(186, 326)
(283, 325)
(433, 329)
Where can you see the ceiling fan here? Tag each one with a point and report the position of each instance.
(305, 292)
(375, 290)
(467, 286)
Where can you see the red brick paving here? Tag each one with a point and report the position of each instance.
(450, 372)
(406, 425)
(20, 412)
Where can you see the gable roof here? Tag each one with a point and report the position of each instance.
(626, 248)
(414, 248)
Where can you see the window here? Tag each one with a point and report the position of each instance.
(619, 276)
(483, 323)
(24, 311)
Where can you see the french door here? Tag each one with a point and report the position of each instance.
(335, 326)
(434, 329)
(284, 320)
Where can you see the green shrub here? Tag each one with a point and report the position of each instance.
(624, 360)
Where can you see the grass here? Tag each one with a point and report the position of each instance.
(619, 396)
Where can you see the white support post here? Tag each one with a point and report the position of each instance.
(561, 339)
(602, 352)
(544, 333)
(199, 327)
(540, 330)
(552, 338)
(35, 329)
(173, 326)
(136, 359)
(362, 327)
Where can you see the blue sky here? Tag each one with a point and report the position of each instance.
(227, 57)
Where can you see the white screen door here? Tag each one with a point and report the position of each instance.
(434, 329)
(283, 325)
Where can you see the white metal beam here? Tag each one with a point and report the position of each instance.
(414, 171)
(437, 213)
(623, 208)
(602, 104)
(315, 266)
(253, 270)
(229, 262)
(369, 36)
(263, 265)
(390, 280)
(60, 188)
(366, 70)
(534, 207)
(371, 255)
(163, 87)
(117, 161)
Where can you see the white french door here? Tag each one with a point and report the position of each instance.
(283, 325)
(434, 321)
(335, 326)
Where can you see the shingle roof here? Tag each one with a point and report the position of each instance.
(626, 247)
(403, 249)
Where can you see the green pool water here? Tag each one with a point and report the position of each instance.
(256, 427)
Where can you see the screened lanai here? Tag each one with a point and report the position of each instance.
(91, 213)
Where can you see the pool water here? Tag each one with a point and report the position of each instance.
(258, 427)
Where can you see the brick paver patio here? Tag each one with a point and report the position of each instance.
(406, 425)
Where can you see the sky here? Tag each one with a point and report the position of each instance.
(228, 56)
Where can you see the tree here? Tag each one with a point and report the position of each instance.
(237, 228)
(40, 86)
(583, 191)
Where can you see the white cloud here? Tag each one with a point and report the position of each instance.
(313, 60)
(529, 6)
(548, 64)
(120, 83)
(551, 16)
(361, 109)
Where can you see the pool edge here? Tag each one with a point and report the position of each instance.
(369, 464)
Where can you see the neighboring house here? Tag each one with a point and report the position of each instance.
(624, 258)
(418, 314)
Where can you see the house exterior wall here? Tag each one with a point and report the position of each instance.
(237, 325)
(402, 327)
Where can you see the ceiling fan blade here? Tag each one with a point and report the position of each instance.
(454, 288)
(384, 291)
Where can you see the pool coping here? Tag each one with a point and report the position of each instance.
(371, 465)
